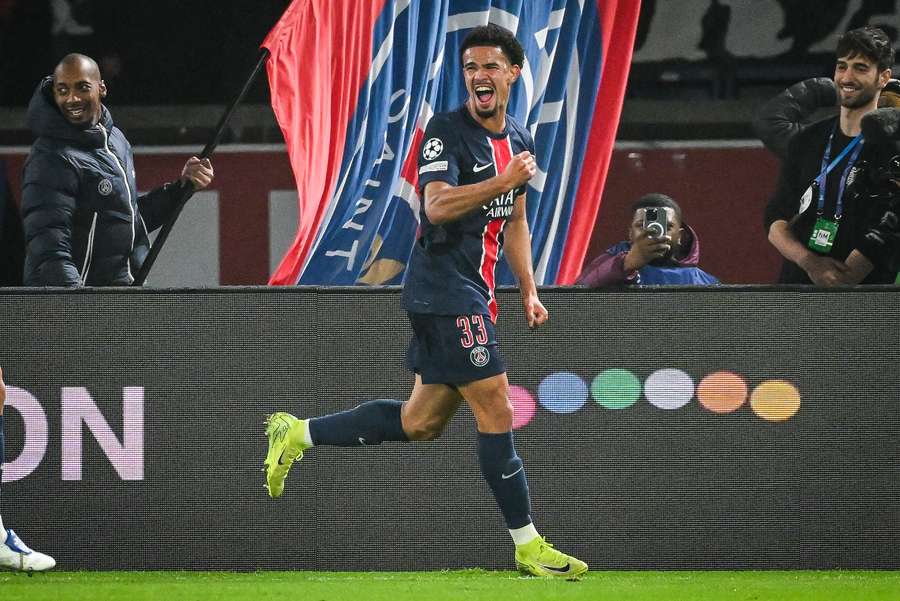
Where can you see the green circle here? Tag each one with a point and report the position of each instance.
(616, 389)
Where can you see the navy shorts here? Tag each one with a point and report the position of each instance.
(453, 349)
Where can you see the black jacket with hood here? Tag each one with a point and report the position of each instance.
(84, 222)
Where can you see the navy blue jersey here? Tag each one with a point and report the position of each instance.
(451, 270)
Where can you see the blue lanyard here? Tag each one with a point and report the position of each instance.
(856, 146)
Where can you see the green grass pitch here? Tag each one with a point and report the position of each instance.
(468, 585)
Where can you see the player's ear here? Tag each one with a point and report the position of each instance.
(515, 70)
(102, 89)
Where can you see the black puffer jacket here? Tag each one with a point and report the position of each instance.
(84, 223)
(795, 108)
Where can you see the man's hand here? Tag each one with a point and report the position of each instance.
(858, 267)
(535, 313)
(520, 169)
(646, 248)
(825, 271)
(197, 173)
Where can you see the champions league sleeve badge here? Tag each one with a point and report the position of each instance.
(432, 149)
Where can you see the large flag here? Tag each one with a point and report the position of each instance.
(355, 82)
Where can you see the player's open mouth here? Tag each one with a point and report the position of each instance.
(76, 112)
(484, 94)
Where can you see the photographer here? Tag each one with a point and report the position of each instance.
(661, 249)
(831, 214)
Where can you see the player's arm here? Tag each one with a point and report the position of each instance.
(445, 202)
(517, 248)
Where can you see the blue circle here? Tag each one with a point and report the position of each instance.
(562, 392)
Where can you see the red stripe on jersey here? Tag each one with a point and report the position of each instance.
(502, 153)
(490, 239)
(490, 250)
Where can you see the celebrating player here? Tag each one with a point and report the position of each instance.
(474, 166)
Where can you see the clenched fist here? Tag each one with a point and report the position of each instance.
(520, 169)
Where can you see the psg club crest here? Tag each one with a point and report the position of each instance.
(479, 356)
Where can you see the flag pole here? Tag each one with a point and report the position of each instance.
(184, 190)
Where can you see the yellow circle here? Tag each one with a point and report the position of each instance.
(722, 392)
(775, 400)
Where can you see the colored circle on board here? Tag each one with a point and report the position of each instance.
(562, 392)
(616, 389)
(669, 389)
(722, 392)
(775, 400)
(524, 406)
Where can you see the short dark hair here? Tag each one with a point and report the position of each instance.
(870, 42)
(655, 199)
(494, 35)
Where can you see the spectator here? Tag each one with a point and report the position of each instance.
(84, 222)
(803, 104)
(647, 259)
(833, 215)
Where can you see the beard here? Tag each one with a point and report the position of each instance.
(863, 97)
(486, 114)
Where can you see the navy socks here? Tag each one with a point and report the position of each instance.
(505, 474)
(368, 424)
(378, 421)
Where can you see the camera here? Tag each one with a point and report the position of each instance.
(656, 221)
(878, 181)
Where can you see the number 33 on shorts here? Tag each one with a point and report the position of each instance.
(473, 330)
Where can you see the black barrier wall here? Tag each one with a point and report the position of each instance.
(135, 431)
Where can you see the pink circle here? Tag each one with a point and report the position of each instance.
(524, 406)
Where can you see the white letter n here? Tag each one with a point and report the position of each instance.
(128, 457)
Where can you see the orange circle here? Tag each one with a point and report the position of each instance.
(775, 400)
(722, 392)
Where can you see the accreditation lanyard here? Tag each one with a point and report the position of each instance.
(855, 145)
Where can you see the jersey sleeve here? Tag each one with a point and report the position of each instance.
(529, 141)
(438, 154)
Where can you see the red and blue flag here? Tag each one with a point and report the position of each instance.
(354, 83)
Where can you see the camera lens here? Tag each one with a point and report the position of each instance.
(655, 230)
